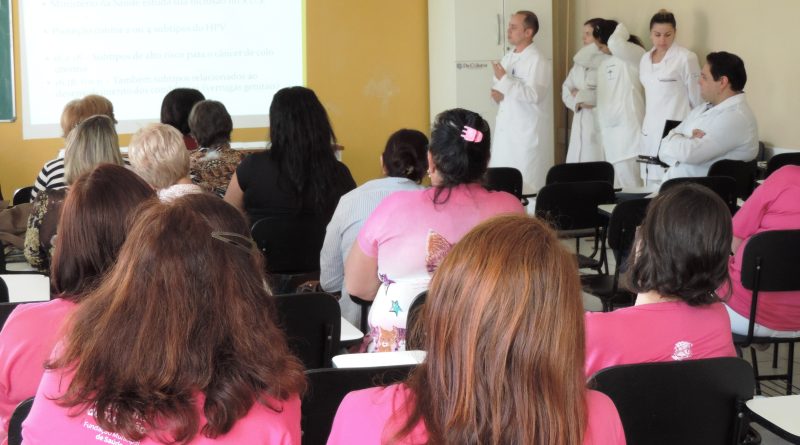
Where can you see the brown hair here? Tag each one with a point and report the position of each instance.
(184, 310)
(210, 123)
(75, 111)
(529, 20)
(94, 222)
(505, 341)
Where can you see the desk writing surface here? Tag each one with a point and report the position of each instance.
(782, 412)
(24, 288)
(374, 359)
(349, 332)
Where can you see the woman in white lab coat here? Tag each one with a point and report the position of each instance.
(670, 75)
(620, 100)
(578, 94)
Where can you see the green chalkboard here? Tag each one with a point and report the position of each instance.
(6, 63)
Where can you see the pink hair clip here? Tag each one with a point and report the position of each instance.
(471, 135)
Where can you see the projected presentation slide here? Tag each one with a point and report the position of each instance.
(239, 52)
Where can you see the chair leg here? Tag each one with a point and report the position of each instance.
(755, 369)
(789, 369)
(775, 355)
(364, 319)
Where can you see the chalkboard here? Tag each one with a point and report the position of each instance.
(6, 63)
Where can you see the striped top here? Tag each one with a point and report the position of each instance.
(51, 177)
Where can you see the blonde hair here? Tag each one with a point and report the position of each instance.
(77, 110)
(158, 154)
(94, 141)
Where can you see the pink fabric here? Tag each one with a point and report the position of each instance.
(410, 236)
(774, 205)
(371, 416)
(26, 341)
(49, 423)
(657, 332)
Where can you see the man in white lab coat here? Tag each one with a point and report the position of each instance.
(722, 128)
(523, 87)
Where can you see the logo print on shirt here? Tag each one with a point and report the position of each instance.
(683, 351)
(395, 308)
(436, 249)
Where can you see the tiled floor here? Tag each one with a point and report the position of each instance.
(764, 358)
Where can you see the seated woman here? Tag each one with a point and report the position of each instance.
(92, 228)
(76, 111)
(409, 233)
(774, 205)
(175, 109)
(213, 164)
(158, 154)
(178, 344)
(404, 163)
(300, 173)
(491, 376)
(681, 258)
(93, 142)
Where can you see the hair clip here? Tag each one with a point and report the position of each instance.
(242, 242)
(470, 134)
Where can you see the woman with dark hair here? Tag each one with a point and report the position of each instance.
(579, 95)
(404, 162)
(213, 164)
(299, 174)
(175, 109)
(680, 259)
(405, 239)
(178, 344)
(620, 100)
(504, 335)
(93, 226)
(670, 75)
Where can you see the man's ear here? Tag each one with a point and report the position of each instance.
(724, 82)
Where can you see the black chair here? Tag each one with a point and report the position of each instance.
(571, 207)
(505, 179)
(313, 325)
(327, 388)
(23, 195)
(625, 218)
(580, 172)
(780, 160)
(365, 307)
(3, 290)
(770, 263)
(744, 172)
(724, 186)
(291, 246)
(687, 402)
(414, 338)
(15, 423)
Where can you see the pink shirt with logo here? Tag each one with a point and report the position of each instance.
(657, 332)
(774, 205)
(410, 236)
(371, 416)
(49, 423)
(26, 341)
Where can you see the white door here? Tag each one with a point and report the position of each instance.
(480, 29)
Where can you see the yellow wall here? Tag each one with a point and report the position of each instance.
(761, 33)
(367, 60)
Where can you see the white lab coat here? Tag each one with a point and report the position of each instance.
(731, 132)
(620, 107)
(523, 136)
(584, 140)
(671, 89)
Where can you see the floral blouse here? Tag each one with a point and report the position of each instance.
(212, 168)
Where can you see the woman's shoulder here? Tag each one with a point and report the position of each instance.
(29, 318)
(603, 423)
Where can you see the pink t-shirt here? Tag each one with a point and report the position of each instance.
(371, 416)
(774, 205)
(50, 423)
(410, 236)
(26, 341)
(657, 332)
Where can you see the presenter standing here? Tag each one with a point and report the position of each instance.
(669, 74)
(523, 85)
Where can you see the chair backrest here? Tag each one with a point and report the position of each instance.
(23, 195)
(15, 423)
(3, 288)
(780, 160)
(573, 205)
(504, 179)
(724, 186)
(744, 172)
(581, 172)
(290, 243)
(327, 388)
(771, 261)
(625, 218)
(313, 324)
(687, 402)
(412, 321)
